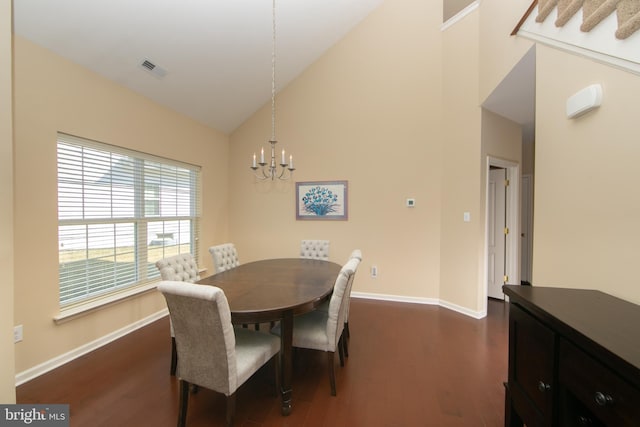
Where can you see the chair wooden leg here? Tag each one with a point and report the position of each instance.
(346, 328)
(184, 402)
(345, 344)
(332, 373)
(276, 368)
(341, 350)
(174, 357)
(231, 408)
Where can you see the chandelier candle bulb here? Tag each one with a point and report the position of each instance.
(253, 165)
(283, 162)
(290, 161)
(262, 155)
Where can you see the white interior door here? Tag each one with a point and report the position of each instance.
(496, 199)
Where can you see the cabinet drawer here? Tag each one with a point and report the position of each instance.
(610, 398)
(531, 365)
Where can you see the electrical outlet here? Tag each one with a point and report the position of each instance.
(17, 333)
(374, 271)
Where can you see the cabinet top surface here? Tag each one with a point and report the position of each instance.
(589, 316)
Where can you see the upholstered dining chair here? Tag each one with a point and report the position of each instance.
(224, 257)
(212, 353)
(355, 255)
(354, 259)
(180, 268)
(322, 330)
(314, 249)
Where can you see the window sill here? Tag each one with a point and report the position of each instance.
(80, 309)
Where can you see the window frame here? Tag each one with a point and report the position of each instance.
(82, 202)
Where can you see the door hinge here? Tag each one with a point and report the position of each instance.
(506, 182)
(506, 279)
(506, 230)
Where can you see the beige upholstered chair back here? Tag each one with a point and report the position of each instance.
(204, 335)
(357, 253)
(224, 257)
(351, 265)
(180, 268)
(336, 313)
(315, 249)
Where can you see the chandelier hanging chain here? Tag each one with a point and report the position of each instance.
(273, 72)
(271, 171)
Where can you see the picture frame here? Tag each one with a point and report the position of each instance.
(322, 200)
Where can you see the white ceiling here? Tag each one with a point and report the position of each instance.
(216, 53)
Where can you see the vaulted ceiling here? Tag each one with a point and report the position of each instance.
(212, 58)
(216, 54)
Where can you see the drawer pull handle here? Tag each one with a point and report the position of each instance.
(543, 387)
(603, 399)
(584, 421)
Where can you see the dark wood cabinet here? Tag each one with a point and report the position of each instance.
(574, 358)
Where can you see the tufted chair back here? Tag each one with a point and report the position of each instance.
(204, 335)
(180, 268)
(352, 266)
(213, 354)
(177, 268)
(337, 307)
(224, 257)
(315, 249)
(357, 253)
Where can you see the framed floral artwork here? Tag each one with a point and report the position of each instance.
(321, 200)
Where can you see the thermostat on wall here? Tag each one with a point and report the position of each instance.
(411, 203)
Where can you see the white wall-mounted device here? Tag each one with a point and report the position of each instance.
(584, 101)
(411, 203)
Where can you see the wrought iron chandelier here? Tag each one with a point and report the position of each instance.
(270, 170)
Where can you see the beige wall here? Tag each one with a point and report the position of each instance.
(501, 138)
(528, 157)
(477, 54)
(460, 249)
(52, 94)
(499, 52)
(7, 353)
(587, 202)
(368, 111)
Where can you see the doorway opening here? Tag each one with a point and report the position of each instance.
(502, 229)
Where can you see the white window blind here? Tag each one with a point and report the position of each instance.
(119, 211)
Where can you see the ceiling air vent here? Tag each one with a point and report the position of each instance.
(153, 68)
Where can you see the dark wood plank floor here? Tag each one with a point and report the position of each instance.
(409, 365)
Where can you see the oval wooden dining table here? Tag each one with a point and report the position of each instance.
(277, 290)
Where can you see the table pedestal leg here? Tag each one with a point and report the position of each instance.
(286, 355)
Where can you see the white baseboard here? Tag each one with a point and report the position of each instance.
(51, 364)
(463, 310)
(394, 298)
(416, 300)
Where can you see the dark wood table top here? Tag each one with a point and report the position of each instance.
(261, 291)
